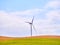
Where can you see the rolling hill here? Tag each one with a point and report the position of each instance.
(34, 40)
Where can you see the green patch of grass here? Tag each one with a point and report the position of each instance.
(31, 41)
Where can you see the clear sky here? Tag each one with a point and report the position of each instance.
(17, 5)
(14, 13)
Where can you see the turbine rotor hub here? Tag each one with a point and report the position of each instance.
(30, 23)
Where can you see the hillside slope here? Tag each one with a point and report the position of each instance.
(35, 40)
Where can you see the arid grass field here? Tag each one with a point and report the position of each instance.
(36, 40)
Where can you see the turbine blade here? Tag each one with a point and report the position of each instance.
(33, 19)
(27, 22)
(34, 29)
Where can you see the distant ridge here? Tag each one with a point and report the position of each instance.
(43, 36)
(4, 38)
(47, 36)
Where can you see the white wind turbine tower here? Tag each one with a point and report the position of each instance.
(31, 25)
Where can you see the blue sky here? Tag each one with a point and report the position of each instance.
(14, 13)
(17, 5)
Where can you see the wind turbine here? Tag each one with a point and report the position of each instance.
(31, 25)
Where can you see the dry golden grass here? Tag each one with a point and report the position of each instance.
(46, 36)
